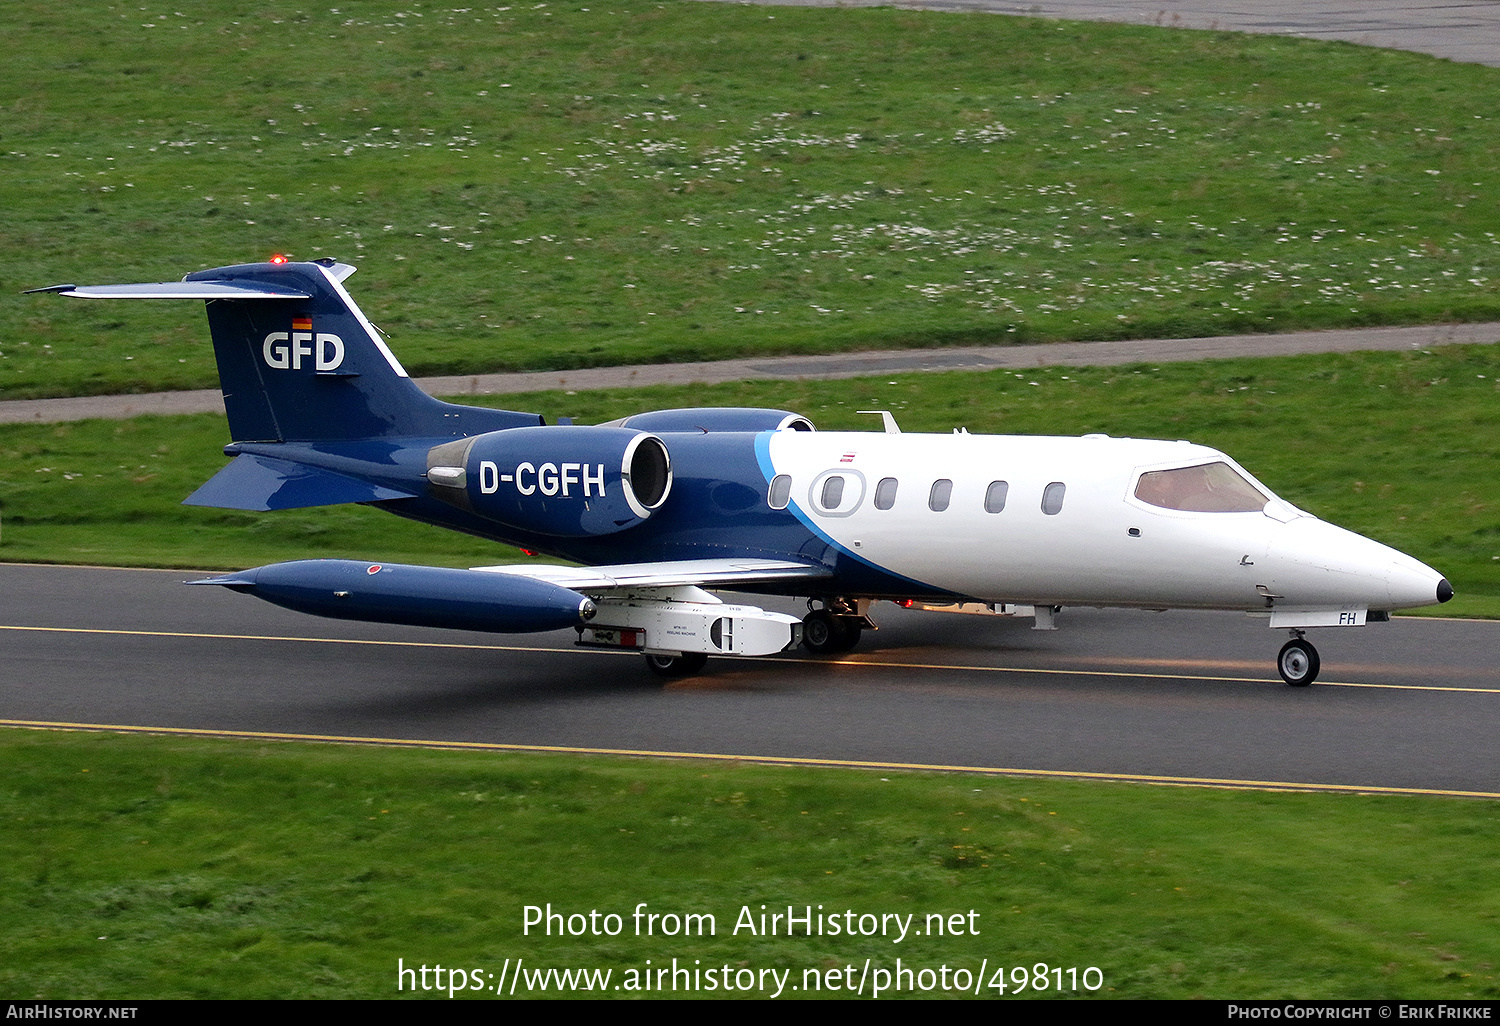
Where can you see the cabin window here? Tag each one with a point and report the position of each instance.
(994, 496)
(836, 493)
(781, 491)
(941, 494)
(833, 492)
(885, 493)
(1207, 488)
(1052, 498)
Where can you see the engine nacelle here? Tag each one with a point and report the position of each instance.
(715, 418)
(568, 482)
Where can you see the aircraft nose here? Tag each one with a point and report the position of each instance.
(1319, 562)
(1414, 583)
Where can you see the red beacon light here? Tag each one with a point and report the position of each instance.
(278, 259)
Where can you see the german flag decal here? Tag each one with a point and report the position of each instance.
(302, 324)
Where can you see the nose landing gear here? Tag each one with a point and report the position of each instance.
(1298, 661)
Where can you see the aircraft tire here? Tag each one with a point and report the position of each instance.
(1298, 663)
(823, 633)
(852, 630)
(684, 665)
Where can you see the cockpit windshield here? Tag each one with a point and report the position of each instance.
(1207, 488)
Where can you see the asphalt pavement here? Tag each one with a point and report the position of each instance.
(1181, 697)
(824, 367)
(1458, 31)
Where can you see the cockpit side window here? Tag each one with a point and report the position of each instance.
(1207, 488)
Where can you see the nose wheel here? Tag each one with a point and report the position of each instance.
(1298, 662)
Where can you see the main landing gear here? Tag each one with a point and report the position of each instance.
(684, 665)
(836, 627)
(1298, 661)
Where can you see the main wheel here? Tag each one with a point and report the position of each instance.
(684, 665)
(852, 631)
(1298, 663)
(822, 633)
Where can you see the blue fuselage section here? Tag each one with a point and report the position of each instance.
(718, 508)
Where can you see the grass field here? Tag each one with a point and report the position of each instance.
(555, 185)
(1401, 447)
(138, 867)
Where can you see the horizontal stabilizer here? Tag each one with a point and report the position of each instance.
(178, 290)
(672, 574)
(265, 483)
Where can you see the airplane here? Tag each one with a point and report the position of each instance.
(659, 509)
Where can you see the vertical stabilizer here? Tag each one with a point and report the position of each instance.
(313, 369)
(299, 361)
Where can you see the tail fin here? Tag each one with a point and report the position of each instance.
(299, 361)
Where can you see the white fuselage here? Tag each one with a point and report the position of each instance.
(1095, 543)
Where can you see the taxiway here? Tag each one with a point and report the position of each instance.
(1412, 705)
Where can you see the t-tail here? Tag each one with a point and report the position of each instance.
(299, 361)
(320, 410)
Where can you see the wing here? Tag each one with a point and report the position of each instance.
(721, 573)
